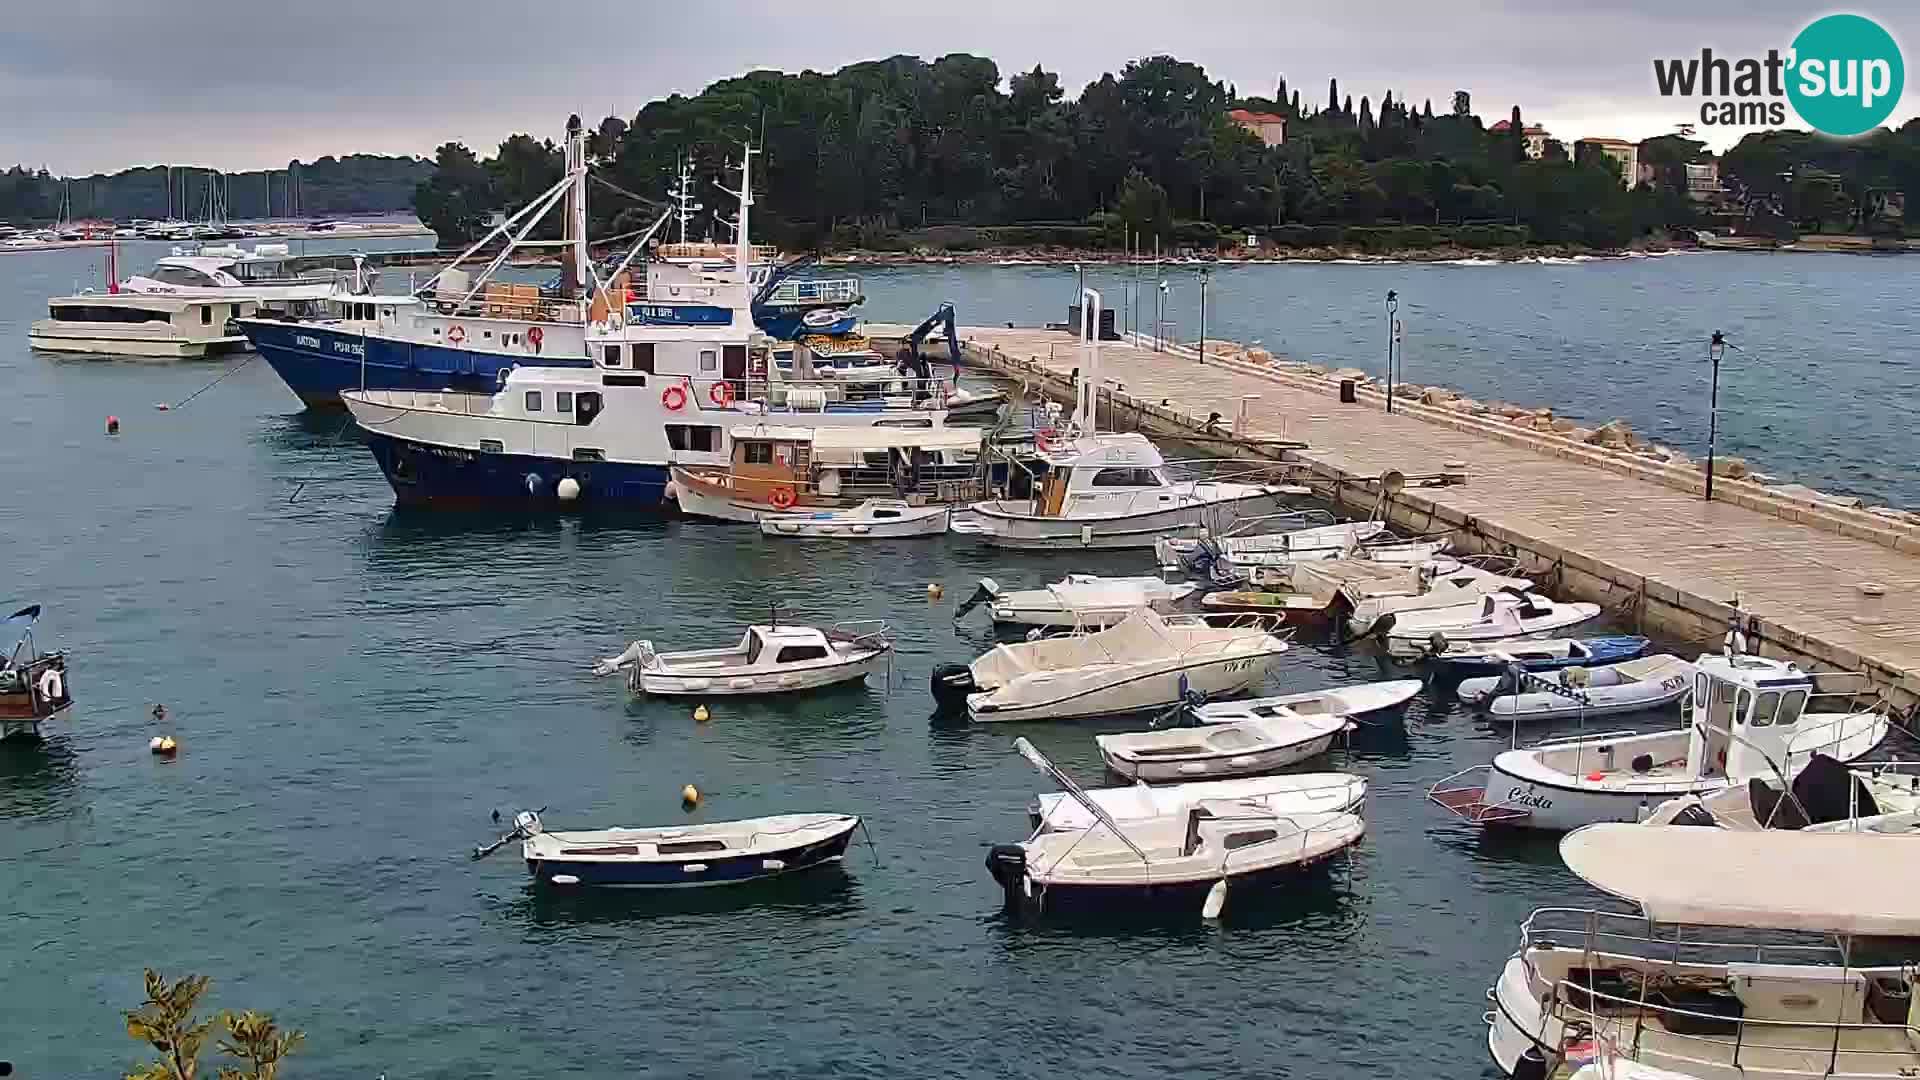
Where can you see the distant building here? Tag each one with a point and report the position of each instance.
(1536, 137)
(1622, 151)
(1270, 129)
(1703, 181)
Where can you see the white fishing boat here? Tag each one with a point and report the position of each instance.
(1223, 748)
(872, 519)
(1507, 614)
(1112, 491)
(1186, 862)
(1085, 600)
(1608, 690)
(1144, 661)
(1286, 793)
(1340, 701)
(680, 856)
(768, 659)
(1741, 962)
(1746, 716)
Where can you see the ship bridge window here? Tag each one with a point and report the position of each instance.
(700, 437)
(756, 453)
(533, 401)
(1122, 477)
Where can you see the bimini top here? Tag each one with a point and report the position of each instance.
(1837, 883)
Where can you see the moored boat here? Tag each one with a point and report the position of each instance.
(1480, 657)
(1506, 614)
(33, 685)
(683, 856)
(1606, 690)
(1078, 600)
(1224, 748)
(1341, 701)
(768, 659)
(1282, 793)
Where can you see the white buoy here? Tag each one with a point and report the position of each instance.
(568, 489)
(1216, 900)
(934, 590)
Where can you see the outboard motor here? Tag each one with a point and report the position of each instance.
(951, 685)
(1530, 1065)
(988, 590)
(1008, 865)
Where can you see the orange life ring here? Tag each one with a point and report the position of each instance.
(674, 398)
(781, 497)
(456, 334)
(535, 335)
(721, 394)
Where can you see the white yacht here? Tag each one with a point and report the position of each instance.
(1741, 963)
(139, 324)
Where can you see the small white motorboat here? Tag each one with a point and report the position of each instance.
(1077, 600)
(1223, 748)
(1437, 583)
(1189, 861)
(974, 403)
(1746, 717)
(1145, 661)
(768, 659)
(873, 519)
(679, 856)
(1507, 614)
(1346, 702)
(1231, 559)
(1287, 793)
(1629, 686)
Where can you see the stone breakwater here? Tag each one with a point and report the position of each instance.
(1615, 437)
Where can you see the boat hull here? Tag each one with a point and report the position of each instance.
(1116, 532)
(1147, 690)
(318, 362)
(810, 527)
(424, 474)
(662, 684)
(1216, 766)
(690, 873)
(1036, 896)
(131, 345)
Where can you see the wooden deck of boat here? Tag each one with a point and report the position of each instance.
(1611, 532)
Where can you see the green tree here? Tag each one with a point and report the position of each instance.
(167, 1021)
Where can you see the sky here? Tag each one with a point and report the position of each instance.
(97, 85)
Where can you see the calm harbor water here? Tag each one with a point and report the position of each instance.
(356, 688)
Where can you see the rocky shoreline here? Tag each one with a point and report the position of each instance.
(1054, 256)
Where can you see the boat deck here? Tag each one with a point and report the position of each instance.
(1624, 531)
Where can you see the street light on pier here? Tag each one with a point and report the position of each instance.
(1716, 348)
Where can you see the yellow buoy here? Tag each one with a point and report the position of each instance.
(700, 714)
(689, 797)
(164, 745)
(934, 590)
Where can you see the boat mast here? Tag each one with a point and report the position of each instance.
(683, 197)
(577, 202)
(743, 246)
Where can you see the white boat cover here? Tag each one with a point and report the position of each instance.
(1844, 883)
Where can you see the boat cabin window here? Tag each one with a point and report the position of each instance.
(790, 653)
(533, 401)
(1720, 707)
(492, 446)
(709, 360)
(643, 356)
(586, 406)
(613, 356)
(1764, 709)
(588, 453)
(886, 513)
(206, 314)
(85, 313)
(756, 452)
(563, 401)
(1741, 701)
(1792, 703)
(701, 437)
(1236, 841)
(184, 275)
(1125, 477)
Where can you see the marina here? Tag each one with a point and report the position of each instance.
(417, 633)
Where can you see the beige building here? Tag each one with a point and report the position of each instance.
(1622, 151)
(1535, 136)
(1268, 128)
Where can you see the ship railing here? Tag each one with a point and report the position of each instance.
(708, 293)
(509, 306)
(1634, 937)
(757, 253)
(862, 632)
(459, 402)
(816, 291)
(1683, 1042)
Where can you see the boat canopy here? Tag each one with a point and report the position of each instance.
(1846, 883)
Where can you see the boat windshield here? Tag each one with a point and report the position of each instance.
(1126, 477)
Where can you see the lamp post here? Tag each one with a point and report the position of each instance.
(1393, 305)
(1716, 348)
(1203, 314)
(1160, 302)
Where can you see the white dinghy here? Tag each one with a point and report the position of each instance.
(1341, 701)
(768, 659)
(873, 519)
(1507, 614)
(1233, 748)
(1187, 862)
(1077, 600)
(679, 856)
(1609, 690)
(1145, 661)
(1747, 716)
(1287, 793)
